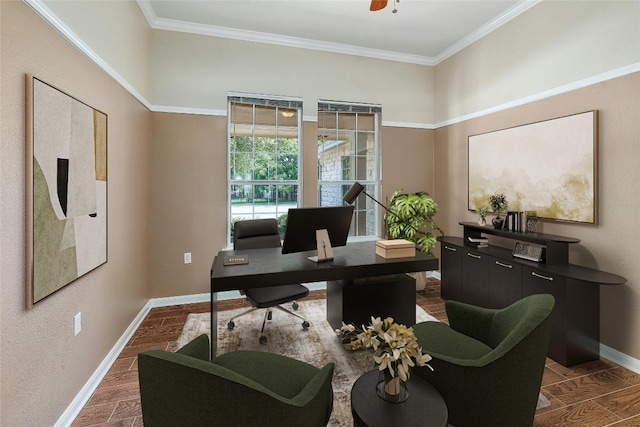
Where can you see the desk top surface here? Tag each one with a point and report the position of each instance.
(269, 267)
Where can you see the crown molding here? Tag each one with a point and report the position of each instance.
(287, 41)
(301, 43)
(254, 36)
(485, 30)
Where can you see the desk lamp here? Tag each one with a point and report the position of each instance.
(358, 188)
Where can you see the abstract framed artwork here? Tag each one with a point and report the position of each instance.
(550, 167)
(66, 197)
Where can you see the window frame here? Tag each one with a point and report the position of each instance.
(372, 185)
(269, 101)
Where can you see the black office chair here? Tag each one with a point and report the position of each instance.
(257, 234)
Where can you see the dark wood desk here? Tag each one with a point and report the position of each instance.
(425, 407)
(269, 267)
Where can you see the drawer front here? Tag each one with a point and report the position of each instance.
(505, 282)
(475, 280)
(536, 281)
(451, 269)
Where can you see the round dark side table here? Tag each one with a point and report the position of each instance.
(424, 407)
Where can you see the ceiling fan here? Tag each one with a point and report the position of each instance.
(381, 4)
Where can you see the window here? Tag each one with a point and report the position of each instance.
(264, 158)
(348, 151)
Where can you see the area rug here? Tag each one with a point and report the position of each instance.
(318, 345)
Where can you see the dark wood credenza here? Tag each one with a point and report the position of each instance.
(492, 277)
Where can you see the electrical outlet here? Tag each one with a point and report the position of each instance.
(187, 257)
(77, 324)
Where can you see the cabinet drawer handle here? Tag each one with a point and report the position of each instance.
(473, 255)
(450, 248)
(533, 273)
(503, 264)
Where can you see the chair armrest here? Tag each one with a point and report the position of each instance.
(198, 348)
(177, 389)
(470, 320)
(314, 387)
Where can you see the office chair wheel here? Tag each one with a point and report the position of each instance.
(305, 325)
(270, 315)
(295, 305)
(231, 325)
(262, 339)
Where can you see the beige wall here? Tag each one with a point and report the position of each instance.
(188, 203)
(607, 246)
(43, 366)
(553, 44)
(195, 71)
(407, 160)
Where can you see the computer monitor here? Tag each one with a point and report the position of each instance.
(302, 224)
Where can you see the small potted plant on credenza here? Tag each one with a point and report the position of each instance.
(499, 204)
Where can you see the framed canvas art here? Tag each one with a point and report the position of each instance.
(66, 200)
(550, 167)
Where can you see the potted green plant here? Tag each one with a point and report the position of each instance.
(499, 204)
(411, 218)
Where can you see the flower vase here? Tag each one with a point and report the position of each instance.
(497, 222)
(391, 388)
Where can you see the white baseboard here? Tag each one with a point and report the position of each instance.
(434, 274)
(81, 399)
(72, 411)
(620, 358)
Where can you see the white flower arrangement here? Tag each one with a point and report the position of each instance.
(395, 346)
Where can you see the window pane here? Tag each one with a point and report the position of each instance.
(241, 194)
(326, 120)
(265, 115)
(241, 166)
(364, 143)
(242, 113)
(327, 136)
(287, 167)
(264, 166)
(288, 117)
(331, 195)
(288, 145)
(366, 122)
(347, 121)
(241, 143)
(287, 197)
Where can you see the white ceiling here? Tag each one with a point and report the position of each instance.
(422, 31)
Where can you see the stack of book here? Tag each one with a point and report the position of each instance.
(477, 242)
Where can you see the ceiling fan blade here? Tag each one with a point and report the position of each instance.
(377, 5)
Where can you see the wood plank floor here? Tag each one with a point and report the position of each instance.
(598, 393)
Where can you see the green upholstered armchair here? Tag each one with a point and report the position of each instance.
(488, 363)
(241, 388)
